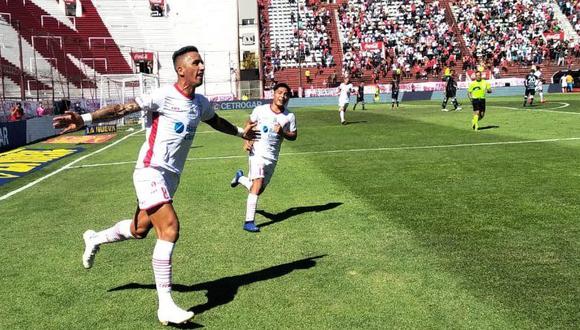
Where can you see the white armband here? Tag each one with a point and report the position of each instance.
(87, 118)
(240, 132)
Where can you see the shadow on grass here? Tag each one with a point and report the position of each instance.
(355, 122)
(223, 291)
(488, 127)
(294, 211)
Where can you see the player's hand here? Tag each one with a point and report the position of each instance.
(250, 133)
(278, 129)
(248, 145)
(69, 122)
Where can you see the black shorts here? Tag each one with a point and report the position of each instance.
(395, 95)
(450, 94)
(530, 92)
(478, 104)
(360, 99)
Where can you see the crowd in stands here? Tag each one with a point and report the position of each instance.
(501, 33)
(572, 10)
(418, 40)
(309, 44)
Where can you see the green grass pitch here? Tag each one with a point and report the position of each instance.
(402, 219)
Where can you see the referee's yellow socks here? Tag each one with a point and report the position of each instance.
(475, 122)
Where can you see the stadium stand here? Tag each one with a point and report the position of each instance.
(513, 35)
(61, 50)
(417, 39)
(308, 43)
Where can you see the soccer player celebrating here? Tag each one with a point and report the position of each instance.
(476, 93)
(344, 91)
(360, 96)
(530, 85)
(394, 93)
(275, 124)
(173, 114)
(450, 91)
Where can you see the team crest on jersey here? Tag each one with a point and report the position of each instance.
(179, 127)
(265, 129)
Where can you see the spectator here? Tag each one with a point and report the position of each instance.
(569, 82)
(307, 75)
(41, 110)
(16, 113)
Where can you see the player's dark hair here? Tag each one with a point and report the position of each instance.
(180, 52)
(278, 85)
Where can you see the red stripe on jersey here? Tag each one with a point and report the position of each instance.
(182, 92)
(152, 136)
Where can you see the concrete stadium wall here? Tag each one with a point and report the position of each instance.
(20, 133)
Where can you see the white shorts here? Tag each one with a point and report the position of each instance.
(261, 168)
(154, 186)
(343, 102)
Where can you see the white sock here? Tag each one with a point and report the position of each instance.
(341, 116)
(251, 207)
(119, 232)
(162, 270)
(245, 181)
(541, 97)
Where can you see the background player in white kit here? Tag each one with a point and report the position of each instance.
(173, 114)
(275, 124)
(344, 91)
(539, 84)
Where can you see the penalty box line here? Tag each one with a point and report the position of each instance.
(358, 150)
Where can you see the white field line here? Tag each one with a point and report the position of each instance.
(359, 150)
(562, 106)
(67, 166)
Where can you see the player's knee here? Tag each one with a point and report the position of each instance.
(141, 233)
(169, 233)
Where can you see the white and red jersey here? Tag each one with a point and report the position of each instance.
(171, 121)
(344, 93)
(268, 145)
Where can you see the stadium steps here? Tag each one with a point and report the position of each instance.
(565, 24)
(12, 72)
(100, 43)
(26, 17)
(131, 25)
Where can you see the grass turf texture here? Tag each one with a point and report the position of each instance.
(401, 219)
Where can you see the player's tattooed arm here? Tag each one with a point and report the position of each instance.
(115, 111)
(71, 121)
(220, 124)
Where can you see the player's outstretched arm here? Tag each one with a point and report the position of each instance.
(224, 126)
(72, 121)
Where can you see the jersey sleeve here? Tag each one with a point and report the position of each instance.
(291, 124)
(254, 115)
(487, 86)
(207, 111)
(152, 102)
